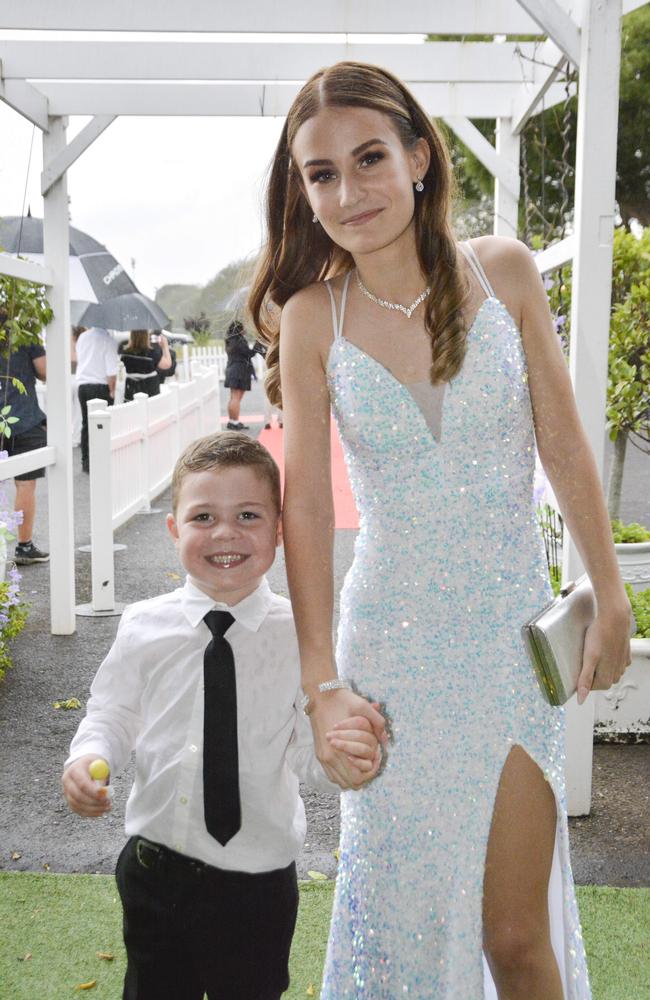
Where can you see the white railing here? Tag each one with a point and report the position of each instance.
(133, 447)
(29, 461)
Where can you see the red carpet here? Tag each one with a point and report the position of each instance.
(345, 511)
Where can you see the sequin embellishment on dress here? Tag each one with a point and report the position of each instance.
(448, 563)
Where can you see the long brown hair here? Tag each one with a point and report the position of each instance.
(138, 342)
(298, 253)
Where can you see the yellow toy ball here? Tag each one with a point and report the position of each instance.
(99, 770)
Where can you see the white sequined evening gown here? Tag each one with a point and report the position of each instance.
(448, 564)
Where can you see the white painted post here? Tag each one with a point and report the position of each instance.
(59, 410)
(140, 401)
(176, 426)
(101, 508)
(203, 408)
(591, 300)
(186, 363)
(506, 202)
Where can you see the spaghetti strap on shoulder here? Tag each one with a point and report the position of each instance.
(337, 321)
(471, 257)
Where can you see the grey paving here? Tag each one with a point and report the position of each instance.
(610, 847)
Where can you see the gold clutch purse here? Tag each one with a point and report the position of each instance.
(555, 639)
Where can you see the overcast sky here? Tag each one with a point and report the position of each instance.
(179, 196)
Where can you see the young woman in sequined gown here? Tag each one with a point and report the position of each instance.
(454, 878)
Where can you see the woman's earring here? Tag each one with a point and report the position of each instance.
(419, 186)
(314, 218)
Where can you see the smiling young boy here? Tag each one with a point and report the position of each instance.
(214, 818)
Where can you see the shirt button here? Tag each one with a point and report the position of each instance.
(183, 800)
(193, 748)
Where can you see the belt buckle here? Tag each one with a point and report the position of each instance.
(144, 848)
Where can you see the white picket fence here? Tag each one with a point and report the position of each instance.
(196, 358)
(133, 447)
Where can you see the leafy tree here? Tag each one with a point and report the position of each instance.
(24, 312)
(549, 146)
(199, 327)
(220, 300)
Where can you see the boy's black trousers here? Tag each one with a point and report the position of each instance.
(191, 929)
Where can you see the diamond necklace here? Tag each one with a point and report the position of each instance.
(407, 310)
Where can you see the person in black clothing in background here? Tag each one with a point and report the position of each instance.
(25, 364)
(143, 362)
(239, 371)
(154, 339)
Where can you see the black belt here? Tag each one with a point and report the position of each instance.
(157, 857)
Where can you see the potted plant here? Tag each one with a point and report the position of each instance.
(623, 712)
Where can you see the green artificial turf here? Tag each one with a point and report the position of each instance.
(54, 925)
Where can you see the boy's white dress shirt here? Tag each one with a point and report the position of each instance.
(148, 695)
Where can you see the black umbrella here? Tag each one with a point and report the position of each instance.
(126, 312)
(95, 275)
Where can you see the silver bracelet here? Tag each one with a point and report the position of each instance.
(333, 685)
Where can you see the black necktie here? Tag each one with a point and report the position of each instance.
(221, 803)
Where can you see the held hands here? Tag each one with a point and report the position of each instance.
(84, 795)
(607, 652)
(348, 734)
(355, 738)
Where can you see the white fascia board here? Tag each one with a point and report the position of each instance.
(472, 100)
(556, 255)
(25, 270)
(26, 100)
(499, 166)
(57, 167)
(463, 17)
(559, 25)
(157, 60)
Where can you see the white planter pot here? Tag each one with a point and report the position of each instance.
(634, 563)
(625, 708)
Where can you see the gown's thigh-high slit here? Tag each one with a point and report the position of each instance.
(551, 922)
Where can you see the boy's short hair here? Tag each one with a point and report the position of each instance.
(226, 450)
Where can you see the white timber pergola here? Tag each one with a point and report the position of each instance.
(145, 73)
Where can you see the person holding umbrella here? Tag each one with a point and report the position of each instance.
(143, 362)
(239, 371)
(97, 366)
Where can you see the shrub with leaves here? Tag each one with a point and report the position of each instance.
(628, 382)
(13, 615)
(24, 312)
(629, 532)
(640, 601)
